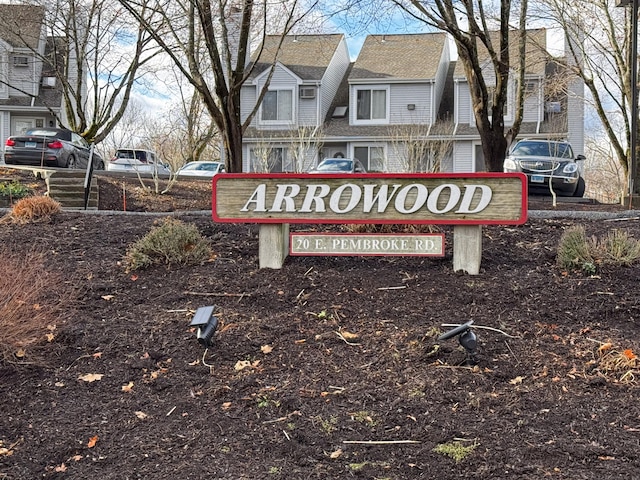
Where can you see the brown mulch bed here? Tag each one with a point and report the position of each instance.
(328, 368)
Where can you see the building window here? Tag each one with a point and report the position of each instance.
(277, 106)
(268, 159)
(20, 61)
(371, 105)
(371, 157)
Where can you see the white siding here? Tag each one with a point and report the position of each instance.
(575, 116)
(533, 110)
(417, 94)
(22, 79)
(394, 159)
(248, 97)
(462, 157)
(441, 78)
(307, 110)
(4, 71)
(463, 103)
(281, 79)
(4, 130)
(332, 78)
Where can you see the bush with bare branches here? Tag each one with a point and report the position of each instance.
(33, 302)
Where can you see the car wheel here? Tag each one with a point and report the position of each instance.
(580, 188)
(72, 162)
(100, 165)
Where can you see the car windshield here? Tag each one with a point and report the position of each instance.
(43, 133)
(543, 149)
(335, 166)
(124, 154)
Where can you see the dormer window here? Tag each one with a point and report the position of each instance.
(20, 61)
(277, 106)
(372, 105)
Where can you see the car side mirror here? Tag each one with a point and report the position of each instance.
(580, 158)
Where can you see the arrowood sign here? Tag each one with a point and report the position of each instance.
(464, 199)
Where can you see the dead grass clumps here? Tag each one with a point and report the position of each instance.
(621, 365)
(577, 252)
(172, 242)
(33, 209)
(31, 306)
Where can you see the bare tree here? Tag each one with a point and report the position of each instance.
(209, 42)
(486, 42)
(263, 156)
(97, 54)
(422, 147)
(598, 37)
(605, 176)
(306, 142)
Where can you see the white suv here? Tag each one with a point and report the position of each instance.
(546, 162)
(136, 160)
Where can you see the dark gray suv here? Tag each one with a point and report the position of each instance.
(547, 164)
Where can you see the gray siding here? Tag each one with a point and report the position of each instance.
(22, 79)
(281, 79)
(575, 116)
(307, 110)
(247, 101)
(462, 157)
(4, 70)
(463, 103)
(441, 78)
(332, 78)
(533, 104)
(417, 94)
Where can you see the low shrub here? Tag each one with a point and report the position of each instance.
(14, 190)
(617, 248)
(33, 209)
(33, 304)
(577, 252)
(171, 242)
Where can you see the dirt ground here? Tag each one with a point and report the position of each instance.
(329, 368)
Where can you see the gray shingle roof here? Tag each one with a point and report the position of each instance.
(535, 51)
(308, 56)
(20, 25)
(411, 57)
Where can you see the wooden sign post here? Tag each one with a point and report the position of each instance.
(466, 201)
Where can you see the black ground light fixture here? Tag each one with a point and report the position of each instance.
(468, 340)
(206, 322)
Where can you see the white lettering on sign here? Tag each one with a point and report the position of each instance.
(348, 197)
(366, 244)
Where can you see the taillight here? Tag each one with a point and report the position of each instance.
(55, 145)
(10, 142)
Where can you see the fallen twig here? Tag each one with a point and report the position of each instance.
(621, 219)
(480, 326)
(213, 294)
(381, 442)
(346, 341)
(393, 288)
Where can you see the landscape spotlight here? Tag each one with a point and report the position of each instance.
(206, 322)
(468, 340)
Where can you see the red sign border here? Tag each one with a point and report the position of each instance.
(518, 221)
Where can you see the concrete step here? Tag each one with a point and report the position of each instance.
(67, 188)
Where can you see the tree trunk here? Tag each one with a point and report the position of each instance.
(494, 148)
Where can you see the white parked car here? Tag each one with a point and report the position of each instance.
(137, 160)
(201, 169)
